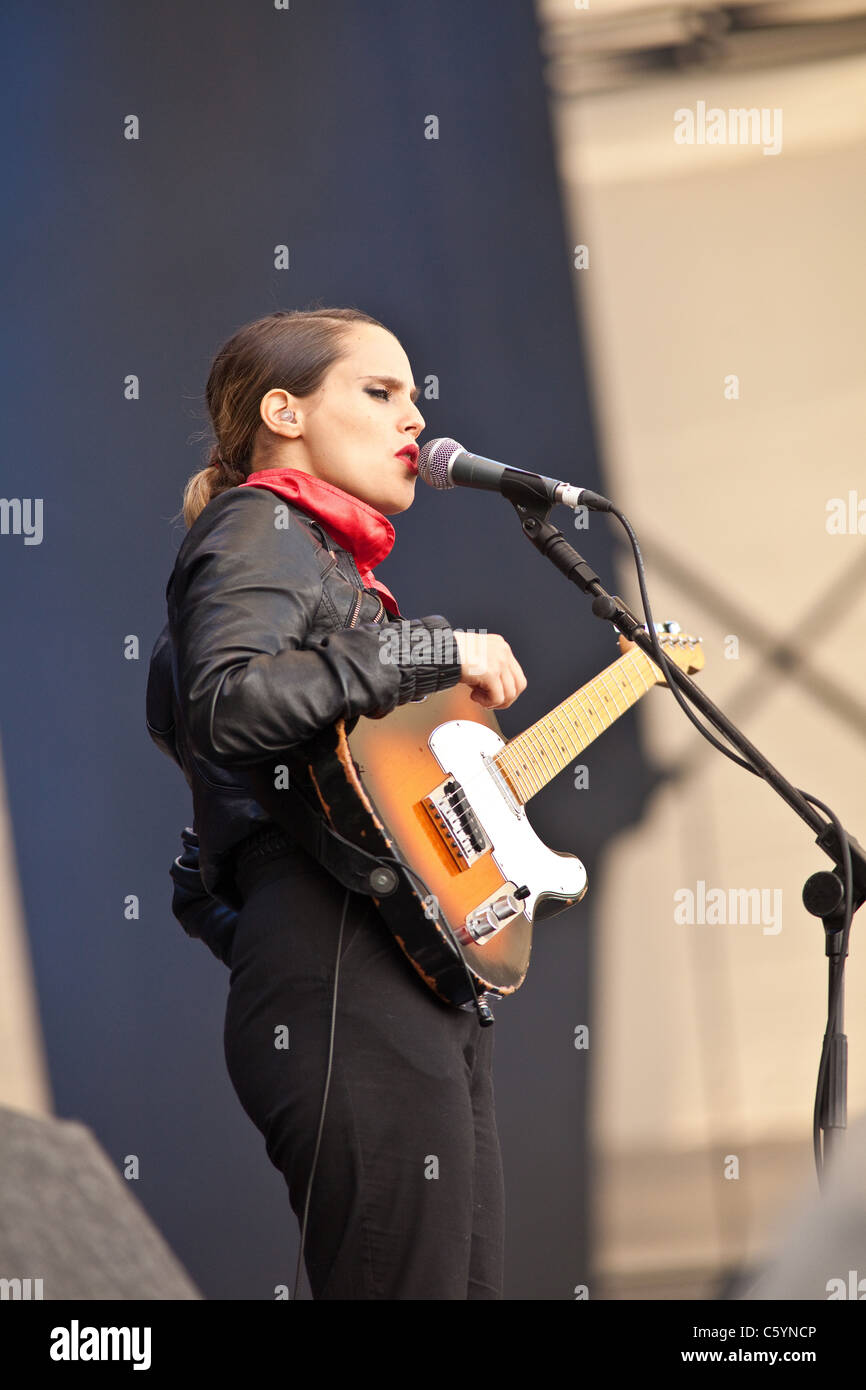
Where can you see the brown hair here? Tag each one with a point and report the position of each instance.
(292, 350)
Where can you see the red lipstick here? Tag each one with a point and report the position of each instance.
(410, 453)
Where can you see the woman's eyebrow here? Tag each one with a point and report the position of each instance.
(396, 383)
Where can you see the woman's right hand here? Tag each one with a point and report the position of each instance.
(490, 668)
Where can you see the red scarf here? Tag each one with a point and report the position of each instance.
(354, 525)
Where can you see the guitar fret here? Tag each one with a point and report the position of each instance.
(636, 654)
(587, 738)
(538, 768)
(536, 742)
(626, 689)
(603, 681)
(564, 742)
(586, 706)
(531, 759)
(625, 666)
(549, 750)
(572, 743)
(600, 704)
(521, 774)
(532, 749)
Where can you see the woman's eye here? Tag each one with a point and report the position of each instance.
(377, 391)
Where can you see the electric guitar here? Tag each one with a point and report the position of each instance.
(435, 785)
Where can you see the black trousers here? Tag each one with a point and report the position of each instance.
(407, 1199)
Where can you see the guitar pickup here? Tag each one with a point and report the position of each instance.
(461, 831)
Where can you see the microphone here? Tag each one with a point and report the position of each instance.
(443, 463)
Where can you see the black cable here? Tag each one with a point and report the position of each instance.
(324, 1096)
(448, 927)
(391, 859)
(399, 862)
(661, 659)
(845, 847)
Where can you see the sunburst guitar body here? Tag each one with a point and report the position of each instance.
(436, 787)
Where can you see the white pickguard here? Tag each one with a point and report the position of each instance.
(521, 856)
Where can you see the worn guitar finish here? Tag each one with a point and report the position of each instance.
(436, 785)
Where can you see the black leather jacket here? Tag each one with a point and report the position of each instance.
(274, 638)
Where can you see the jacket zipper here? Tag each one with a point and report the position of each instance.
(361, 594)
(379, 613)
(381, 609)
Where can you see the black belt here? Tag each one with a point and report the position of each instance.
(349, 864)
(258, 849)
(269, 843)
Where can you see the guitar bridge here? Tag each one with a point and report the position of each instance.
(449, 809)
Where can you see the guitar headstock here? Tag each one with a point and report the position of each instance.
(679, 647)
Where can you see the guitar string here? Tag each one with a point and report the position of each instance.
(518, 776)
(570, 710)
(483, 774)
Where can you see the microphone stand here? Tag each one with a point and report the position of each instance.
(824, 892)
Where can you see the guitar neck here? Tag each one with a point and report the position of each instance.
(532, 759)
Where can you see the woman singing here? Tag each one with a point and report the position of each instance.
(355, 1073)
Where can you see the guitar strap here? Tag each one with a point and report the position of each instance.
(349, 864)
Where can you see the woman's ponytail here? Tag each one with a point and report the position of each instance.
(208, 483)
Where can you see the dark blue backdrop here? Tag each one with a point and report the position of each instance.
(139, 257)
